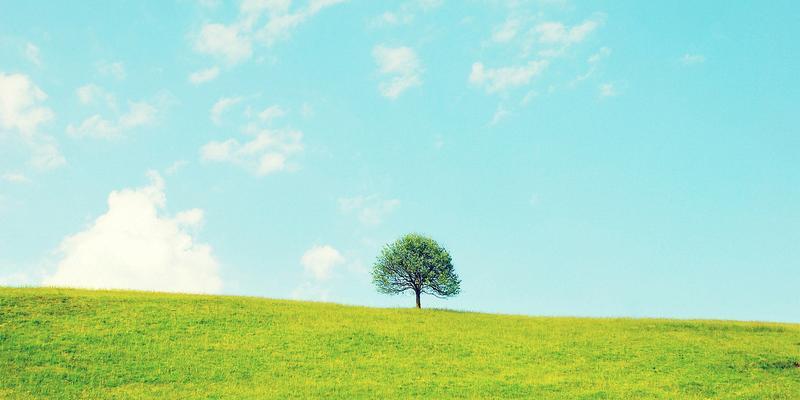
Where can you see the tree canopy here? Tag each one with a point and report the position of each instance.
(416, 263)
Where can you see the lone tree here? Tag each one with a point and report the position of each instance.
(418, 263)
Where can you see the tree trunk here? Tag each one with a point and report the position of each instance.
(418, 304)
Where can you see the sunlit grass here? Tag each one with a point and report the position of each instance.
(58, 343)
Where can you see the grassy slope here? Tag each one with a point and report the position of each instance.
(96, 344)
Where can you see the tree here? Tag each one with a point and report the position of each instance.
(417, 263)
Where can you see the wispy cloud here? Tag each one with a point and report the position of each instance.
(507, 31)
(272, 112)
(505, 78)
(499, 115)
(228, 43)
(593, 62)
(258, 22)
(370, 210)
(204, 75)
(93, 94)
(401, 68)
(115, 123)
(558, 33)
(692, 59)
(268, 152)
(607, 89)
(264, 149)
(221, 105)
(405, 14)
(33, 54)
(15, 177)
(175, 167)
(22, 112)
(115, 69)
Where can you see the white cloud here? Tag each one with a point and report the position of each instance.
(33, 54)
(203, 76)
(268, 152)
(190, 218)
(406, 13)
(504, 78)
(392, 18)
(507, 31)
(428, 5)
(219, 151)
(279, 27)
(96, 126)
(17, 279)
(528, 97)
(21, 113)
(499, 115)
(692, 59)
(256, 7)
(220, 106)
(607, 90)
(558, 33)
(315, 6)
(400, 65)
(318, 264)
(15, 177)
(537, 44)
(45, 154)
(115, 69)
(99, 126)
(271, 113)
(175, 167)
(370, 210)
(593, 62)
(319, 261)
(139, 113)
(19, 109)
(601, 54)
(91, 93)
(134, 246)
(557, 37)
(234, 42)
(226, 42)
(265, 150)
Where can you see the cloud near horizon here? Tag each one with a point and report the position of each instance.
(134, 246)
(319, 261)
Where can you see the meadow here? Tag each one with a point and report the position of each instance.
(80, 344)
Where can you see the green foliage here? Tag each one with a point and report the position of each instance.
(78, 344)
(415, 263)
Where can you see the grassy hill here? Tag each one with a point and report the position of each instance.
(58, 343)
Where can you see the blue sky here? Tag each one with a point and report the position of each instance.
(594, 159)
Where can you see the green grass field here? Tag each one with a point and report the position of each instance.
(58, 343)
